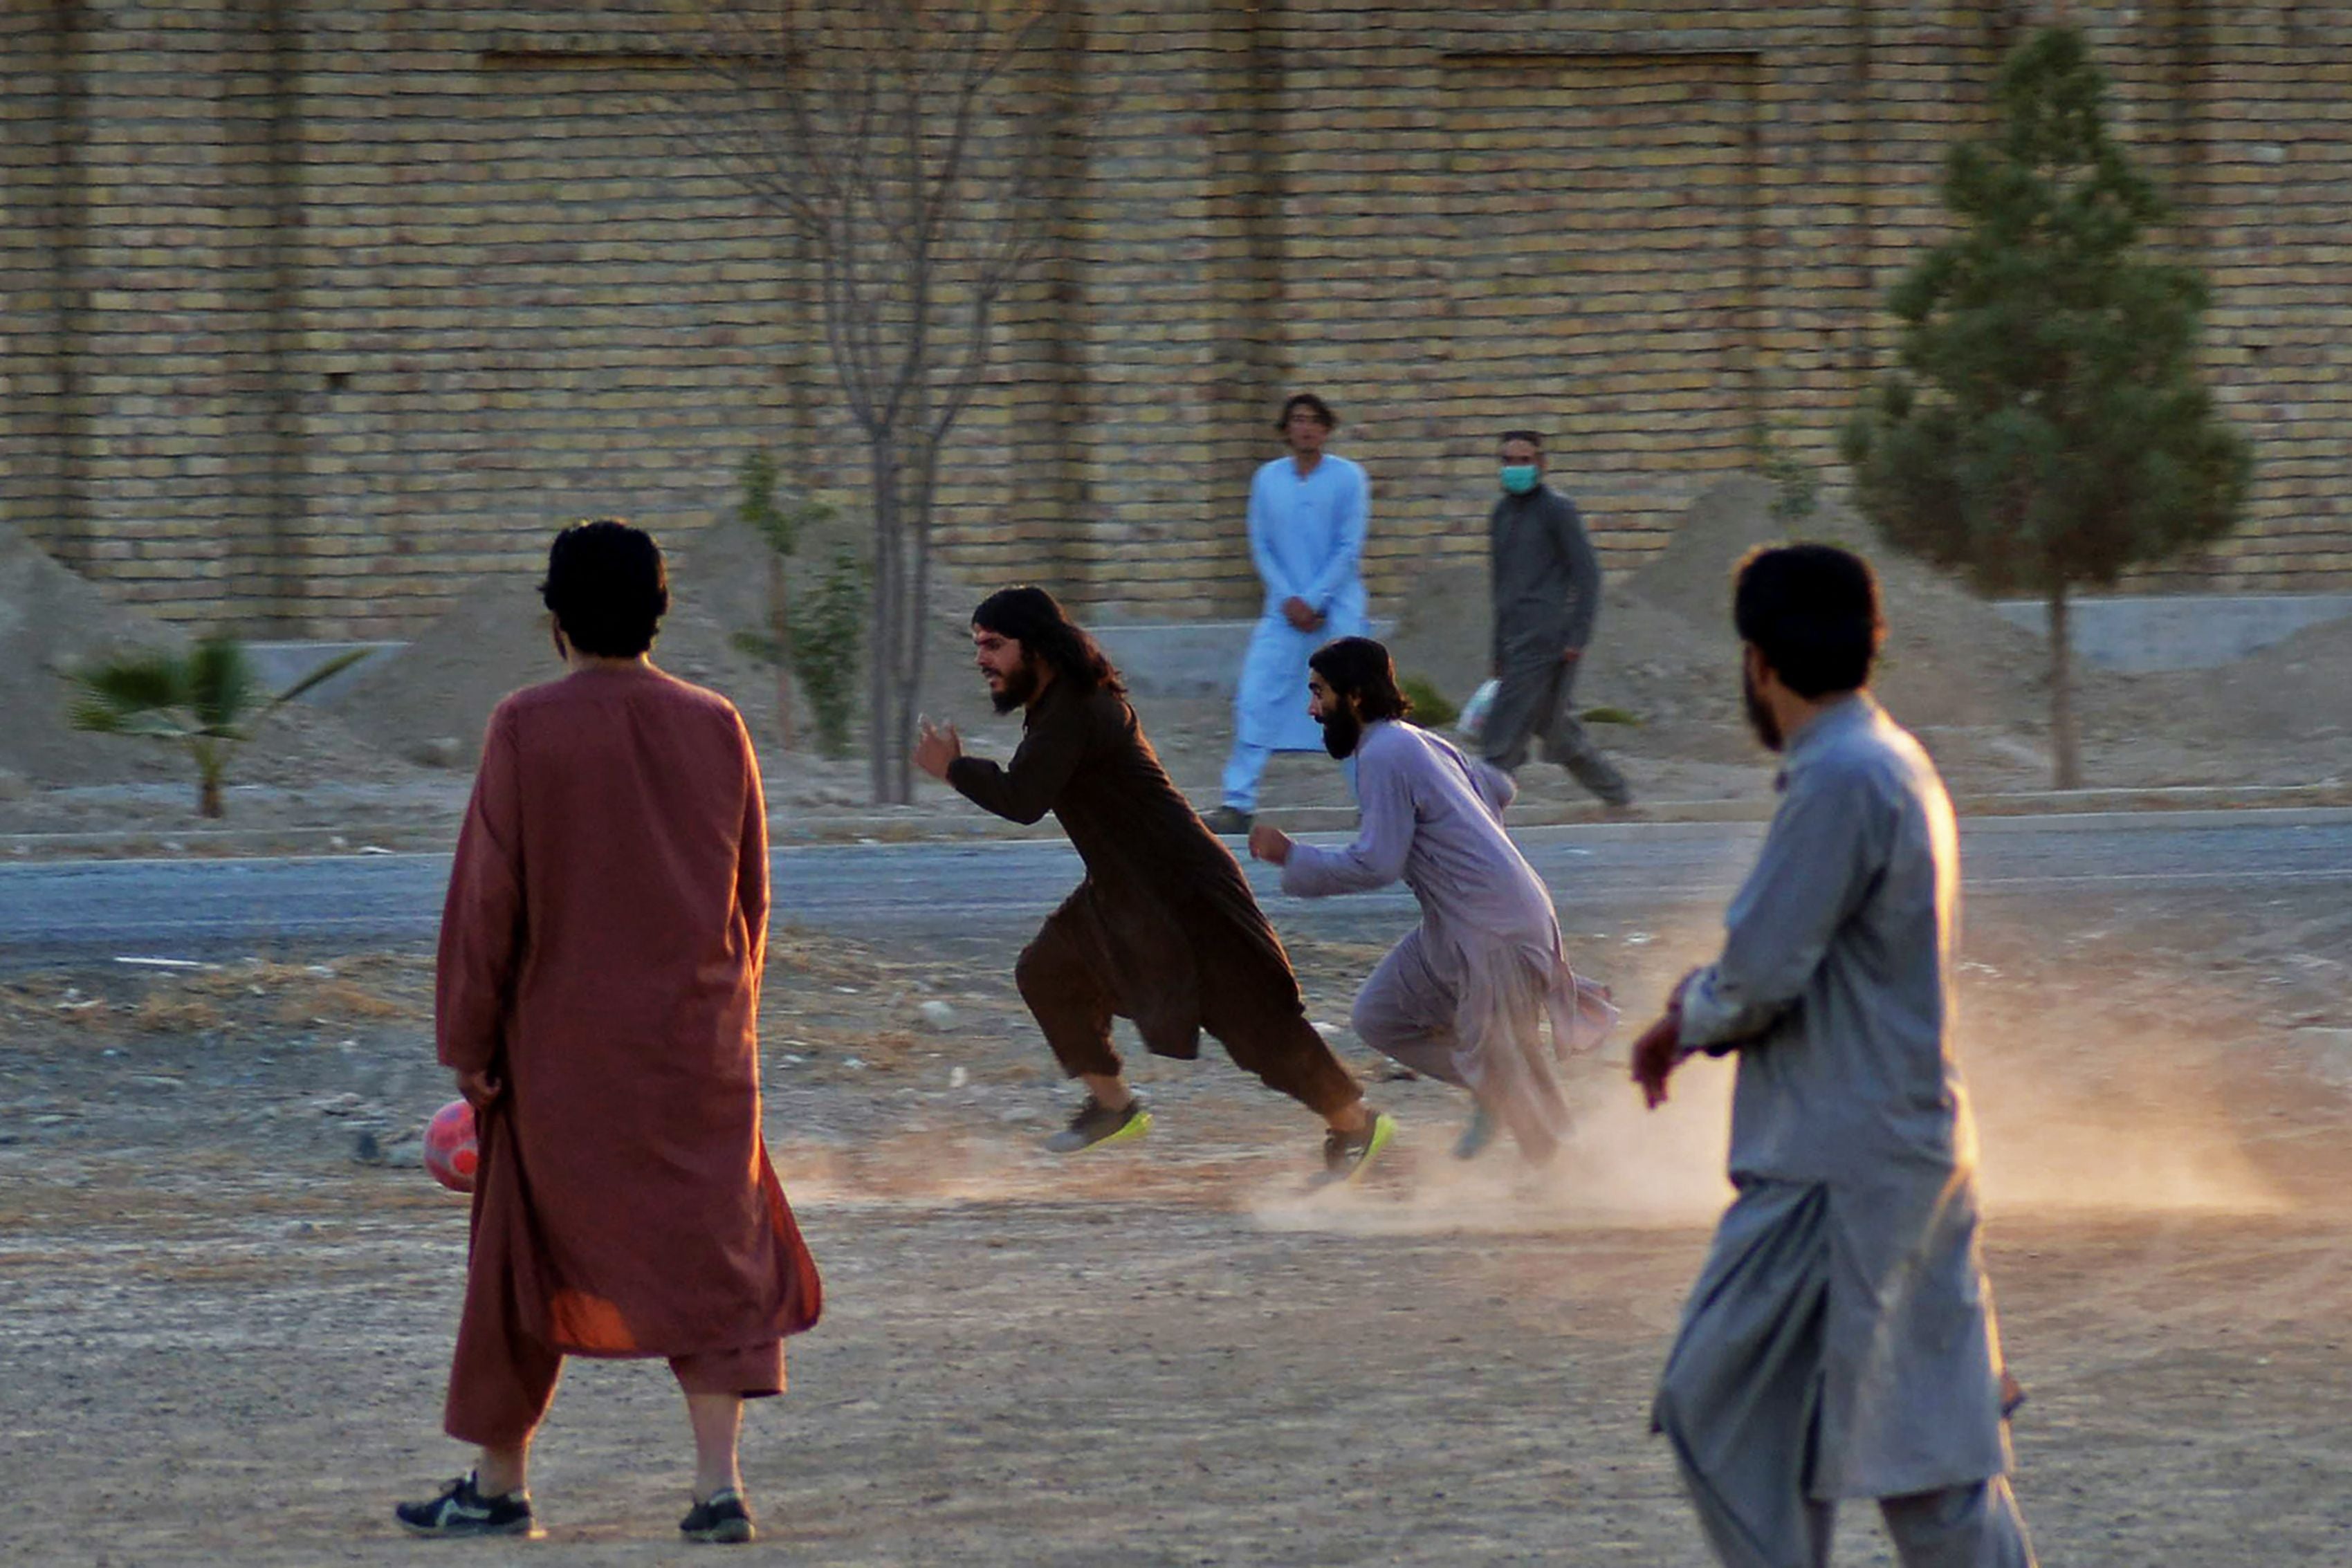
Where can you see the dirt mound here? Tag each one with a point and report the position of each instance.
(433, 699)
(52, 621)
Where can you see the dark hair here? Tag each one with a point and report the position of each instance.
(607, 587)
(1530, 436)
(1035, 618)
(1812, 612)
(1360, 668)
(1313, 404)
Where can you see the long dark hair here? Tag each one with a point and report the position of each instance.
(1035, 618)
(1360, 668)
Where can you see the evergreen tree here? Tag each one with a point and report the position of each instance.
(2047, 429)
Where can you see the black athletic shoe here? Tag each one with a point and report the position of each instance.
(1094, 1124)
(462, 1511)
(721, 1520)
(1229, 821)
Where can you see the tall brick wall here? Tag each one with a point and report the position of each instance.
(315, 312)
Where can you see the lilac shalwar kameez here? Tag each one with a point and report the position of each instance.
(1466, 998)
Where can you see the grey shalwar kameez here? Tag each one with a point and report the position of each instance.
(1466, 996)
(1840, 1342)
(1546, 592)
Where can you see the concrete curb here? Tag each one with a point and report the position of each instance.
(2185, 806)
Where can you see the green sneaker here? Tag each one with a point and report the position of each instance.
(1096, 1124)
(1345, 1155)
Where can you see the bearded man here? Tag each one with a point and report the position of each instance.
(1163, 930)
(1840, 1342)
(1470, 995)
(597, 999)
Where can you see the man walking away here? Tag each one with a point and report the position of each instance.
(1840, 1342)
(1162, 930)
(1467, 997)
(1307, 514)
(598, 997)
(1547, 590)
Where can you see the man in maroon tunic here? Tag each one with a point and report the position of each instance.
(598, 995)
(1163, 930)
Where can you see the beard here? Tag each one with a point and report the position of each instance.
(1019, 686)
(1342, 732)
(1759, 715)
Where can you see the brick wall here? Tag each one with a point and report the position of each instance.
(316, 312)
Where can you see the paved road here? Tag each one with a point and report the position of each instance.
(53, 910)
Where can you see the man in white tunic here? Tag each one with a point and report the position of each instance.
(1840, 1342)
(1466, 998)
(1308, 513)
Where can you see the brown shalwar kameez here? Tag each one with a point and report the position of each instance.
(601, 954)
(1163, 930)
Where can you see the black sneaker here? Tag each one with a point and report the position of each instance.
(1228, 822)
(1095, 1123)
(1345, 1155)
(720, 1519)
(462, 1511)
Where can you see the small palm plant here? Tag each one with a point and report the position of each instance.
(207, 700)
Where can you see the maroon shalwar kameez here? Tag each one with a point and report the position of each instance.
(601, 954)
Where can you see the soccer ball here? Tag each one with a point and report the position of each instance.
(450, 1151)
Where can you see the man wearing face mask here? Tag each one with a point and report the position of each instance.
(1547, 589)
(1839, 1343)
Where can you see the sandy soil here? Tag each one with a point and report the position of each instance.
(227, 1328)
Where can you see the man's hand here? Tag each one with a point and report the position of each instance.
(1271, 845)
(1655, 1055)
(1300, 614)
(935, 747)
(478, 1088)
(1569, 656)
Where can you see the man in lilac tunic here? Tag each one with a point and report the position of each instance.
(1466, 998)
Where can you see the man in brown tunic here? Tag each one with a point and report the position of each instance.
(1163, 930)
(598, 992)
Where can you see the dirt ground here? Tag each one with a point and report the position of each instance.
(230, 1288)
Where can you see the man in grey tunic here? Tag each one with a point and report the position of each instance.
(1467, 997)
(1840, 1342)
(1547, 589)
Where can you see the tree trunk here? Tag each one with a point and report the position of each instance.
(918, 538)
(780, 628)
(208, 788)
(2065, 741)
(883, 743)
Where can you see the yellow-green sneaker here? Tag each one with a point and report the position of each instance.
(1345, 1155)
(1095, 1124)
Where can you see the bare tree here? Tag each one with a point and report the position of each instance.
(903, 144)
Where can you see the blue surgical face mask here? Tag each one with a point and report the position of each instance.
(1519, 478)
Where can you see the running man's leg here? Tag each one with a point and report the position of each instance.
(1073, 1006)
(1406, 1013)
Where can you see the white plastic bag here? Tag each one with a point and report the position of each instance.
(1473, 717)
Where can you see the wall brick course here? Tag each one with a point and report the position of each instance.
(305, 331)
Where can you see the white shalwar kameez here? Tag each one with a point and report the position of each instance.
(1306, 535)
